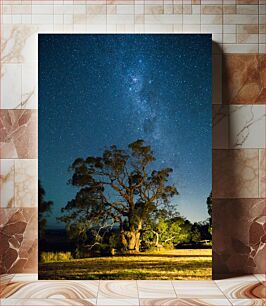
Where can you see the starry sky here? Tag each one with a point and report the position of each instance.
(99, 90)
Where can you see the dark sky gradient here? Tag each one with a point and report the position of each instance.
(98, 90)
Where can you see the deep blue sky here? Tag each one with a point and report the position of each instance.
(98, 90)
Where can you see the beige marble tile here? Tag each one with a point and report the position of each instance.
(262, 8)
(211, 9)
(94, 28)
(139, 8)
(211, 19)
(159, 28)
(6, 9)
(111, 9)
(163, 19)
(262, 49)
(43, 9)
(119, 19)
(188, 19)
(246, 287)
(242, 49)
(18, 44)
(42, 19)
(178, 9)
(195, 9)
(229, 9)
(247, 29)
(118, 290)
(51, 290)
(217, 28)
(183, 302)
(197, 289)
(187, 9)
(229, 29)
(80, 19)
(229, 38)
(247, 126)
(240, 19)
(48, 302)
(10, 85)
(248, 302)
(26, 183)
(247, 9)
(117, 302)
(156, 289)
(125, 9)
(216, 2)
(191, 28)
(140, 28)
(262, 38)
(125, 28)
(96, 9)
(79, 8)
(247, 38)
(7, 183)
(58, 19)
(168, 9)
(25, 277)
(139, 19)
(247, 2)
(154, 9)
(28, 86)
(260, 277)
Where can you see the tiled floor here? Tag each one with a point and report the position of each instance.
(25, 289)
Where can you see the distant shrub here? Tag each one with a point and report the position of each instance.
(58, 256)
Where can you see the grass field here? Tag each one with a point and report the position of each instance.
(175, 264)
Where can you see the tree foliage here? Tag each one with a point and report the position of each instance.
(209, 206)
(44, 208)
(118, 188)
(165, 229)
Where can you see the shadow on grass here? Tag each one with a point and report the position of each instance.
(124, 268)
(162, 255)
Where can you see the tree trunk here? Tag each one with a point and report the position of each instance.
(130, 240)
(157, 238)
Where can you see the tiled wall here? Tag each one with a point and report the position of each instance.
(238, 28)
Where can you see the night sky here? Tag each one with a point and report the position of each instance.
(98, 90)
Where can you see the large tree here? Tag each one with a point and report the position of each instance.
(118, 188)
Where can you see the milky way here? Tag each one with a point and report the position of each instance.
(98, 90)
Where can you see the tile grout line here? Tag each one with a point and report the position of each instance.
(98, 289)
(174, 289)
(138, 291)
(222, 292)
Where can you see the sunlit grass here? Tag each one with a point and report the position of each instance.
(175, 264)
(58, 256)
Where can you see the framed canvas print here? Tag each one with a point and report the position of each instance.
(125, 156)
